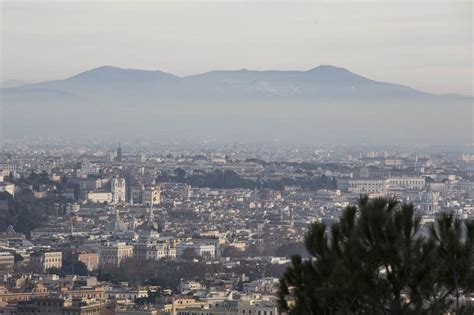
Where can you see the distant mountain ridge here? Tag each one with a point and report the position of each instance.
(324, 104)
(323, 82)
(12, 84)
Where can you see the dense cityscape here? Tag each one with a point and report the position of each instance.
(126, 229)
(211, 157)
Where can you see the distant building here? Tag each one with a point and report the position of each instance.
(47, 259)
(118, 157)
(380, 186)
(57, 306)
(203, 250)
(7, 261)
(151, 195)
(429, 202)
(114, 253)
(89, 168)
(406, 182)
(255, 305)
(110, 156)
(98, 196)
(361, 185)
(153, 251)
(118, 189)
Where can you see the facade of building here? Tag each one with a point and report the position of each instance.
(57, 306)
(114, 253)
(406, 182)
(7, 261)
(151, 195)
(361, 185)
(47, 259)
(380, 186)
(100, 196)
(118, 189)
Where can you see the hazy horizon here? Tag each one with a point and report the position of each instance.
(425, 45)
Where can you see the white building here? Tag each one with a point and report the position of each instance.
(406, 182)
(361, 185)
(380, 186)
(117, 187)
(100, 196)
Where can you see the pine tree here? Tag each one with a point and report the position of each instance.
(378, 259)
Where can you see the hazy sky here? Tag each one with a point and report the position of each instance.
(425, 44)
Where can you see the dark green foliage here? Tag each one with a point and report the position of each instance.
(290, 249)
(18, 258)
(24, 212)
(230, 179)
(56, 271)
(73, 266)
(189, 254)
(376, 261)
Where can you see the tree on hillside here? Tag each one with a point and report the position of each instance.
(375, 260)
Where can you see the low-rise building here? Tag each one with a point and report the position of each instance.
(7, 261)
(47, 259)
(114, 253)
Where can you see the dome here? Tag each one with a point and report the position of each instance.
(429, 196)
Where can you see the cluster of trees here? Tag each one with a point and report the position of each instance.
(165, 273)
(284, 250)
(229, 179)
(168, 273)
(24, 212)
(379, 259)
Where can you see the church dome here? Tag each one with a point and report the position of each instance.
(429, 196)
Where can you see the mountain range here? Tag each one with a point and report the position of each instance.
(322, 82)
(330, 95)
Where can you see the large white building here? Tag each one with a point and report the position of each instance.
(406, 182)
(361, 185)
(100, 196)
(380, 186)
(118, 189)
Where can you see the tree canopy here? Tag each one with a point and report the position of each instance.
(379, 259)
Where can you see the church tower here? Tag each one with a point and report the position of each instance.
(118, 190)
(118, 157)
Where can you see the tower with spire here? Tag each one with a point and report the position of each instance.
(118, 157)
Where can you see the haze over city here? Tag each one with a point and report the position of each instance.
(424, 44)
(236, 157)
